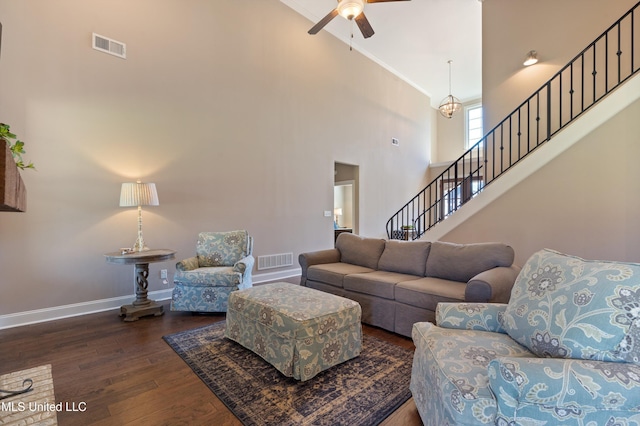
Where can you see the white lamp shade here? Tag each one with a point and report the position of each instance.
(337, 211)
(134, 194)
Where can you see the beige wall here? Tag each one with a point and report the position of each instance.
(451, 137)
(584, 201)
(557, 30)
(449, 142)
(229, 107)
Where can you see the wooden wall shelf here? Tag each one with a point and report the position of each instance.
(13, 194)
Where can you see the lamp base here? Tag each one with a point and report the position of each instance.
(140, 245)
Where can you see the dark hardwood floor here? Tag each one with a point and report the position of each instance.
(126, 374)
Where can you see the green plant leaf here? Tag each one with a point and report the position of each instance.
(16, 148)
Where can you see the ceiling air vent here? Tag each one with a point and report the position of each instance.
(110, 46)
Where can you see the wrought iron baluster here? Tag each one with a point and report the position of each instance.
(442, 199)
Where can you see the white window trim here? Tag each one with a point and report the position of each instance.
(466, 122)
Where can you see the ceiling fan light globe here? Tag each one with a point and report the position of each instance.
(349, 9)
(449, 106)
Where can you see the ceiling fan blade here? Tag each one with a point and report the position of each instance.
(383, 1)
(364, 25)
(324, 21)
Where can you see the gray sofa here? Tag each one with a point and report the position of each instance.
(399, 283)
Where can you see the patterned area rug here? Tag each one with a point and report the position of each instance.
(361, 391)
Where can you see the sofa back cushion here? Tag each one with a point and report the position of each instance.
(461, 262)
(563, 306)
(359, 250)
(222, 248)
(405, 257)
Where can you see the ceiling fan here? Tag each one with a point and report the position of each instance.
(350, 10)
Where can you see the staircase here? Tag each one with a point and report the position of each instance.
(609, 61)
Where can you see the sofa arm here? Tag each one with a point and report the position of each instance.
(471, 316)
(244, 264)
(493, 285)
(316, 258)
(188, 264)
(562, 389)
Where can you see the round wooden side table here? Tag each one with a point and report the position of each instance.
(142, 306)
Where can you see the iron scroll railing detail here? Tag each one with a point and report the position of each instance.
(606, 63)
(27, 385)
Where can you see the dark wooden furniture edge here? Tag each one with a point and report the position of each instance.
(13, 194)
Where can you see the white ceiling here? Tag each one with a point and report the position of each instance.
(414, 40)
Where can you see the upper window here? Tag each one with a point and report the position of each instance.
(473, 124)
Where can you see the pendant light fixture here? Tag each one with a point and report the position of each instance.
(450, 105)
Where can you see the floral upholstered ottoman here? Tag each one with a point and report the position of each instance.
(298, 330)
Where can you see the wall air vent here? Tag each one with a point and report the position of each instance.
(275, 261)
(110, 46)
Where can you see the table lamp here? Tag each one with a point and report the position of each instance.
(139, 194)
(337, 212)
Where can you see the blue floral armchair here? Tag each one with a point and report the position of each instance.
(564, 350)
(223, 263)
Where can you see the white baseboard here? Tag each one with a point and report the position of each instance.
(58, 312)
(75, 309)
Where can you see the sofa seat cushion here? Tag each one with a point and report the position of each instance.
(428, 292)
(334, 273)
(212, 276)
(405, 257)
(461, 262)
(378, 283)
(563, 306)
(449, 380)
